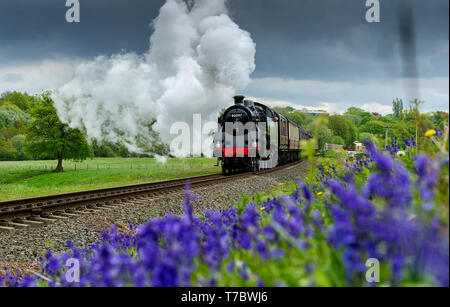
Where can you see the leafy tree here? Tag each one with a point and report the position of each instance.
(22, 101)
(397, 107)
(12, 115)
(367, 117)
(374, 127)
(335, 140)
(355, 111)
(290, 109)
(323, 134)
(438, 118)
(4, 96)
(343, 127)
(18, 141)
(296, 116)
(7, 151)
(49, 138)
(102, 149)
(354, 118)
(367, 137)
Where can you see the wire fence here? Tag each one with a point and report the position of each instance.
(333, 147)
(172, 167)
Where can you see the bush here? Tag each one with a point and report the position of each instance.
(12, 115)
(367, 137)
(335, 140)
(343, 127)
(22, 101)
(374, 127)
(18, 142)
(323, 134)
(8, 152)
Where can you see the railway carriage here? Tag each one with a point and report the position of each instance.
(245, 146)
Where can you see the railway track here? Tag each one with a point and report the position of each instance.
(24, 213)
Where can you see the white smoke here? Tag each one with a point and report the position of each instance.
(161, 159)
(198, 58)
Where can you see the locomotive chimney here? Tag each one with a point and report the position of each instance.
(239, 99)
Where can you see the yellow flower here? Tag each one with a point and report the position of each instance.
(320, 194)
(263, 208)
(430, 133)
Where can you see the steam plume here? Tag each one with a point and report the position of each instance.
(198, 58)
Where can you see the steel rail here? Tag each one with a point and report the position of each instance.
(96, 199)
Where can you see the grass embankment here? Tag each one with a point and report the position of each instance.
(35, 178)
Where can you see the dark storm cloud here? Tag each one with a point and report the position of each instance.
(295, 39)
(32, 30)
(317, 38)
(327, 41)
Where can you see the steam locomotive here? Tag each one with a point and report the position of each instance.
(252, 137)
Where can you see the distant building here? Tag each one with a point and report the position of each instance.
(314, 112)
(377, 115)
(360, 147)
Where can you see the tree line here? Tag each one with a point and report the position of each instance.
(31, 130)
(357, 124)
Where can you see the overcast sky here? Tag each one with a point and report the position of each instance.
(315, 53)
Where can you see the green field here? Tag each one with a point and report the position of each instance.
(35, 178)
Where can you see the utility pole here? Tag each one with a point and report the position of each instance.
(387, 135)
(416, 103)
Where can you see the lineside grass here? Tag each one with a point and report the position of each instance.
(22, 179)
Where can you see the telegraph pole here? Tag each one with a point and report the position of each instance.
(387, 136)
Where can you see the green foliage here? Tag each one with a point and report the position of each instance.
(49, 138)
(331, 154)
(102, 149)
(321, 132)
(353, 118)
(296, 116)
(18, 141)
(23, 101)
(367, 117)
(16, 114)
(150, 142)
(374, 127)
(438, 119)
(355, 111)
(335, 139)
(367, 137)
(7, 151)
(12, 115)
(343, 127)
(397, 108)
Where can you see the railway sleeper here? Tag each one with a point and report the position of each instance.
(68, 214)
(42, 219)
(29, 222)
(56, 216)
(79, 211)
(111, 207)
(13, 224)
(6, 229)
